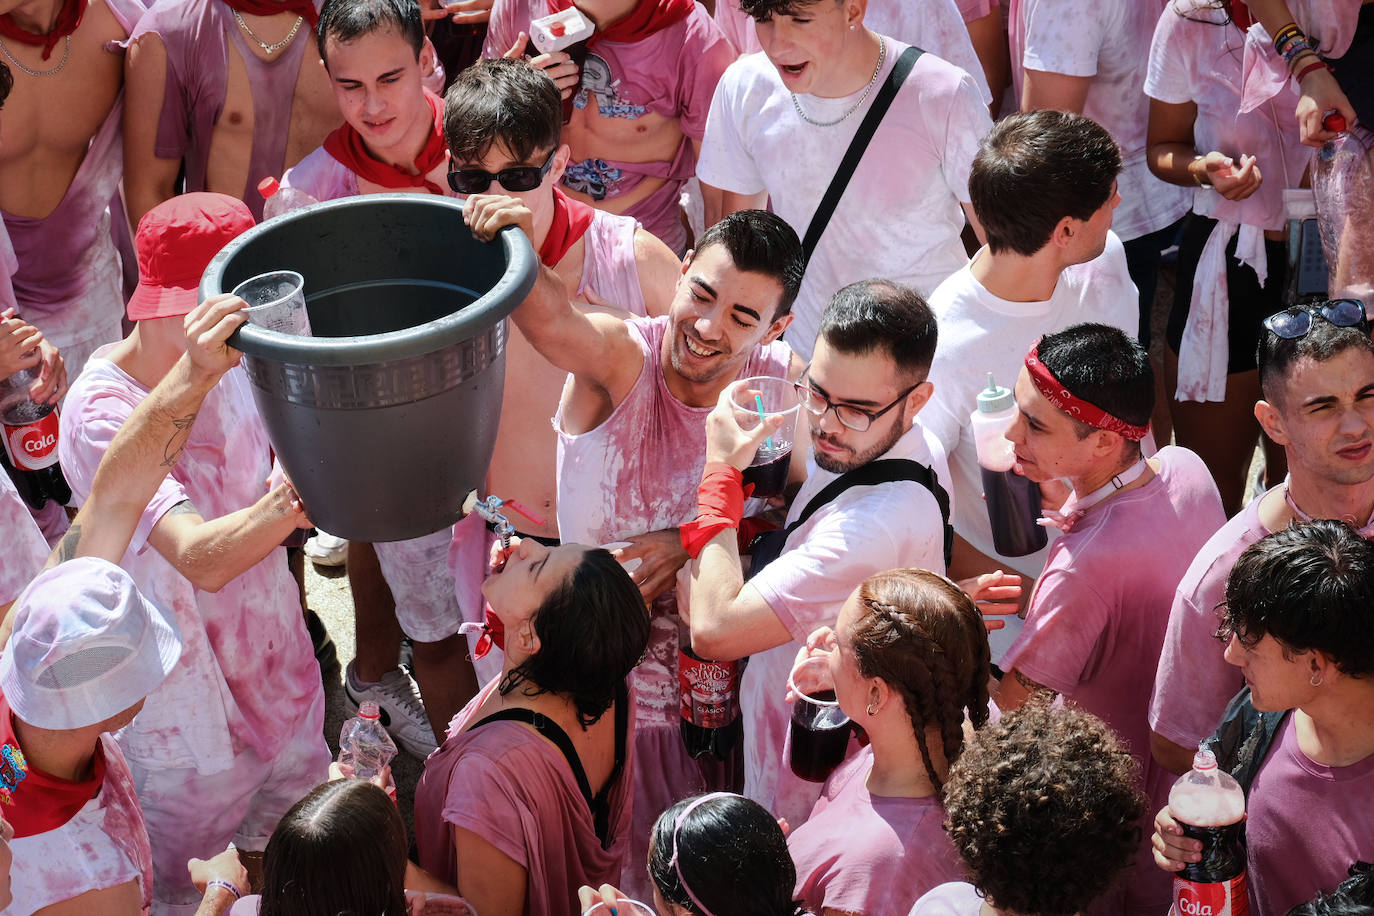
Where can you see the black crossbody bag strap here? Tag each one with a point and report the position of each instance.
(599, 804)
(855, 153)
(884, 470)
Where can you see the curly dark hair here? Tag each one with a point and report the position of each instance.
(733, 855)
(1043, 808)
(593, 629)
(924, 637)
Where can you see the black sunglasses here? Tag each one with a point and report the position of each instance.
(1296, 322)
(520, 178)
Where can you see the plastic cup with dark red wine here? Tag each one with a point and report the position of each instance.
(755, 400)
(820, 730)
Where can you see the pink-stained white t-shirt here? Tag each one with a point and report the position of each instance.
(956, 898)
(1096, 623)
(23, 550)
(638, 472)
(513, 788)
(247, 676)
(864, 530)
(1109, 41)
(863, 853)
(672, 73)
(104, 845)
(1307, 824)
(935, 25)
(899, 217)
(68, 282)
(982, 333)
(1193, 682)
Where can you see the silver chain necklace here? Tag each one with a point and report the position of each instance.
(66, 53)
(272, 48)
(873, 81)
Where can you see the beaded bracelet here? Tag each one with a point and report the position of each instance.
(227, 885)
(1297, 48)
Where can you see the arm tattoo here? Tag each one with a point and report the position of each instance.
(66, 548)
(185, 507)
(1032, 687)
(171, 452)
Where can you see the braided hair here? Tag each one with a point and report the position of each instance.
(923, 636)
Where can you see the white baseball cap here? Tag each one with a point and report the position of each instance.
(86, 646)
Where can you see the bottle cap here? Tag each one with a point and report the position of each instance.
(1204, 760)
(558, 29)
(995, 399)
(368, 709)
(268, 186)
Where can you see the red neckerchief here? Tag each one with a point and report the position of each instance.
(67, 22)
(649, 16)
(570, 221)
(42, 802)
(346, 145)
(272, 7)
(1240, 15)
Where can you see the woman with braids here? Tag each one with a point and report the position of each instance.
(529, 796)
(1044, 811)
(909, 660)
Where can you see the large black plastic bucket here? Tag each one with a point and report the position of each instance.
(387, 417)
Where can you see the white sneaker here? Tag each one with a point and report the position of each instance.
(326, 550)
(403, 713)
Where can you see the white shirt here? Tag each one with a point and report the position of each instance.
(981, 333)
(900, 216)
(1108, 40)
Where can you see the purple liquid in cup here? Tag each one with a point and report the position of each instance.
(819, 738)
(769, 477)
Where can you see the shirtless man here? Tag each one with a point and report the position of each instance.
(642, 95)
(232, 89)
(600, 256)
(60, 165)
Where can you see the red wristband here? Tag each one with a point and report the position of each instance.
(720, 505)
(1317, 64)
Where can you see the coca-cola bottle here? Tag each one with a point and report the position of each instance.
(30, 434)
(1210, 806)
(710, 701)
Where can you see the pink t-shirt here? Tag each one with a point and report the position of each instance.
(672, 73)
(934, 25)
(1096, 622)
(247, 676)
(1194, 683)
(607, 491)
(514, 788)
(956, 898)
(23, 551)
(68, 282)
(860, 853)
(104, 845)
(197, 35)
(1109, 42)
(1307, 824)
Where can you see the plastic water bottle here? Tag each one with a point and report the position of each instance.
(1343, 183)
(1210, 806)
(278, 200)
(1013, 500)
(364, 744)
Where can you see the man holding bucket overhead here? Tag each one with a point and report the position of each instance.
(235, 734)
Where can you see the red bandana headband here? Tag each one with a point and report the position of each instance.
(1082, 411)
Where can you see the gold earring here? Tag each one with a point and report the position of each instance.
(871, 710)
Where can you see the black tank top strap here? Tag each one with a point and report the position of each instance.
(599, 804)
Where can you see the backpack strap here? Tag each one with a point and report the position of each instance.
(884, 470)
(1242, 740)
(599, 803)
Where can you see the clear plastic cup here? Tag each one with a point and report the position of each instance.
(778, 397)
(819, 731)
(276, 301)
(626, 907)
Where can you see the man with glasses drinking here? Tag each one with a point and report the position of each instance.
(862, 392)
(1316, 367)
(504, 123)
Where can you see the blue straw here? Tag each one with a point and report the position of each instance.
(763, 418)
